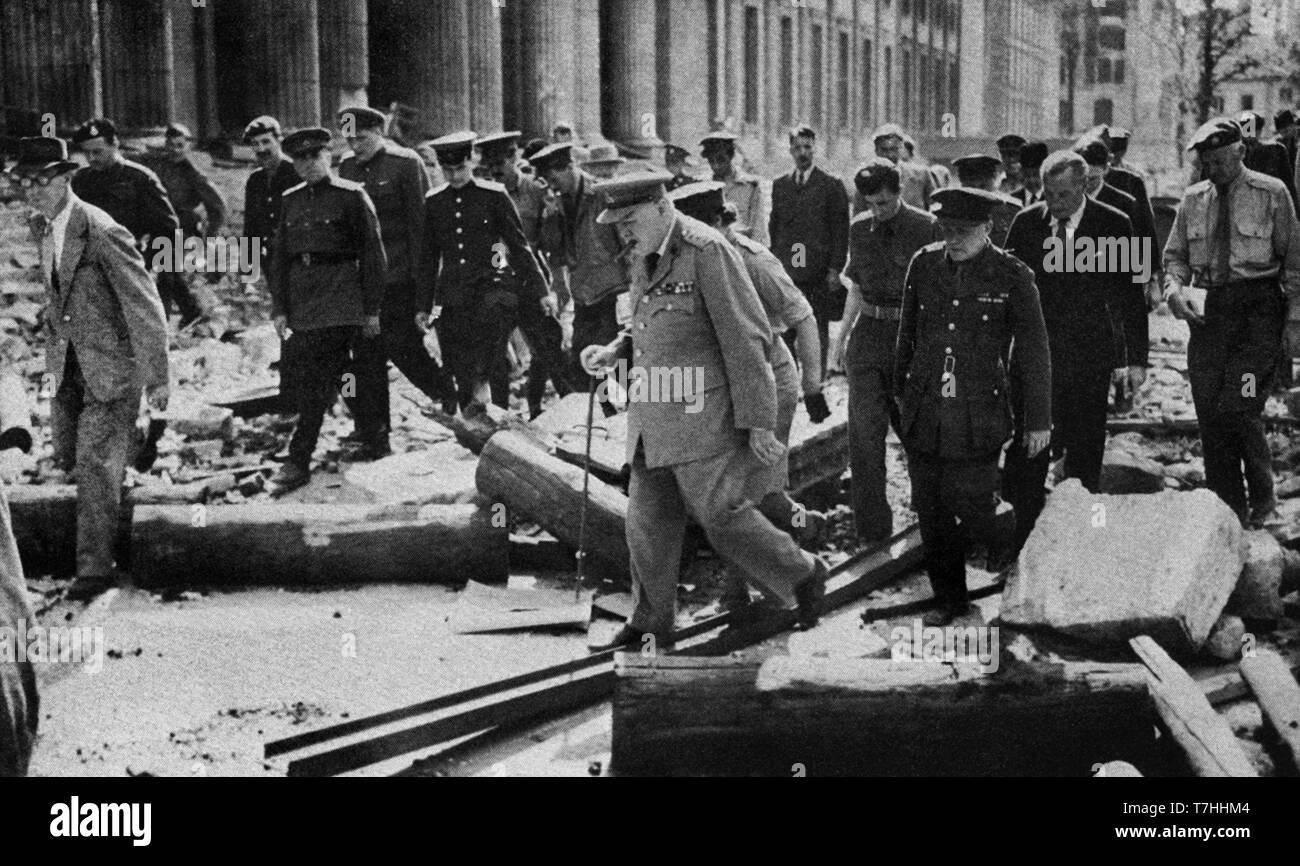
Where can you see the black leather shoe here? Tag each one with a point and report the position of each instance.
(88, 588)
(627, 637)
(809, 595)
(945, 614)
(290, 477)
(372, 451)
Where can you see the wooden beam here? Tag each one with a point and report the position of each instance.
(1204, 735)
(1278, 694)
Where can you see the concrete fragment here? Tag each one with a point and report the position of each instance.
(442, 474)
(1108, 568)
(1123, 471)
(1258, 592)
(1289, 488)
(1224, 642)
(199, 421)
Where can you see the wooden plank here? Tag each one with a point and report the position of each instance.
(852, 717)
(1204, 735)
(1278, 694)
(340, 748)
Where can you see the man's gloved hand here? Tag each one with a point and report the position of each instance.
(818, 411)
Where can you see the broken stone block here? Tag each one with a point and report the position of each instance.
(1289, 488)
(199, 421)
(442, 474)
(1106, 568)
(1224, 642)
(1123, 471)
(1258, 592)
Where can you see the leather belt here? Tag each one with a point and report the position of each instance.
(324, 258)
(882, 314)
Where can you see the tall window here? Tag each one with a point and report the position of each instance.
(868, 61)
(815, 80)
(907, 87)
(1103, 70)
(751, 64)
(1103, 112)
(787, 71)
(1118, 70)
(842, 84)
(714, 68)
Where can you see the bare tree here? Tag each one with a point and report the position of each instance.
(1214, 40)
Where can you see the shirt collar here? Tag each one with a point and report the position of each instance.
(668, 237)
(61, 218)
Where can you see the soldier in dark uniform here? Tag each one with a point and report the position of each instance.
(695, 309)
(590, 253)
(882, 242)
(396, 182)
(478, 272)
(1119, 139)
(1266, 157)
(264, 190)
(327, 283)
(499, 156)
(977, 171)
(1235, 236)
(964, 302)
(1032, 157)
(132, 195)
(1009, 150)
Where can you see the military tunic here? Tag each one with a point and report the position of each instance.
(694, 309)
(327, 277)
(958, 324)
(1231, 358)
(745, 191)
(263, 194)
(478, 267)
(188, 189)
(132, 195)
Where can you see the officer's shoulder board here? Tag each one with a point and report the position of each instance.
(936, 247)
(349, 185)
(696, 233)
(490, 185)
(1259, 180)
(1201, 186)
(442, 187)
(750, 244)
(861, 218)
(291, 190)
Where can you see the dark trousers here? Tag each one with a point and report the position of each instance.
(544, 338)
(473, 343)
(1231, 360)
(366, 393)
(593, 325)
(1233, 441)
(956, 501)
(316, 361)
(869, 363)
(826, 309)
(175, 291)
(404, 343)
(96, 438)
(1079, 399)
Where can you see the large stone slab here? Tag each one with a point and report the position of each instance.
(1108, 568)
(1258, 593)
(442, 474)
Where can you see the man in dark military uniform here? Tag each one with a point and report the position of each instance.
(1266, 157)
(810, 231)
(1032, 157)
(1288, 135)
(1236, 237)
(1096, 323)
(264, 190)
(679, 162)
(188, 189)
(743, 190)
(499, 156)
(964, 302)
(695, 309)
(131, 194)
(882, 242)
(1009, 150)
(396, 182)
(478, 272)
(590, 253)
(327, 284)
(977, 171)
(1126, 181)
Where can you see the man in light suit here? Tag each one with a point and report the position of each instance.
(695, 312)
(107, 343)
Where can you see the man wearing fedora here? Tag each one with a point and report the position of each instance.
(107, 343)
(603, 161)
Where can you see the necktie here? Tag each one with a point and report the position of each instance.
(651, 262)
(1221, 267)
(1063, 233)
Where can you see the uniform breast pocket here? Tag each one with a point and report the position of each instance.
(1255, 240)
(1198, 242)
(672, 304)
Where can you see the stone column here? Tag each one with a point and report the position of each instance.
(344, 57)
(632, 70)
(586, 72)
(60, 76)
(439, 83)
(138, 63)
(548, 31)
(484, 49)
(283, 59)
(683, 105)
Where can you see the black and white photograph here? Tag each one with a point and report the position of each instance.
(870, 389)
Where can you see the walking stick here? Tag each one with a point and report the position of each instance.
(586, 486)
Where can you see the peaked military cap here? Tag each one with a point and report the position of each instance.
(673, 151)
(1033, 154)
(717, 141)
(889, 130)
(1093, 151)
(621, 194)
(497, 144)
(556, 155)
(1219, 132)
(261, 126)
(97, 128)
(455, 148)
(976, 165)
(1010, 143)
(364, 117)
(305, 142)
(964, 204)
